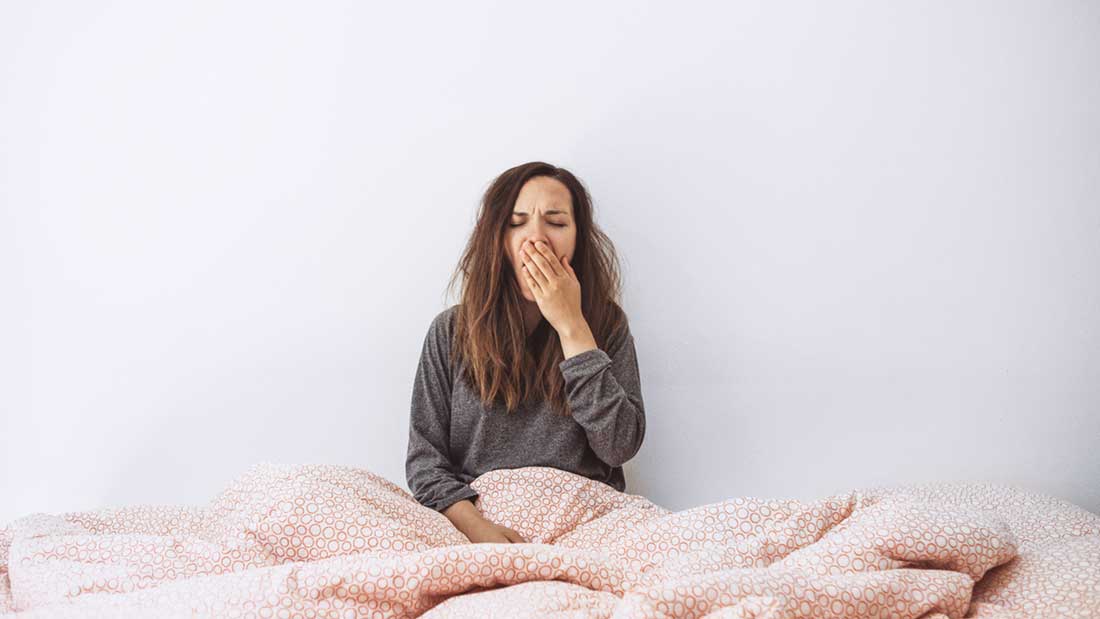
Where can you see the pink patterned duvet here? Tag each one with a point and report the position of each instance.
(331, 541)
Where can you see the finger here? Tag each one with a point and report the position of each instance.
(541, 268)
(568, 267)
(533, 267)
(536, 289)
(551, 259)
(531, 270)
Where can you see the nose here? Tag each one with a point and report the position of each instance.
(539, 237)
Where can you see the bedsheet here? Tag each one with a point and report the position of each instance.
(309, 540)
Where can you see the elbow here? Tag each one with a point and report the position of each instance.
(620, 457)
(622, 448)
(617, 459)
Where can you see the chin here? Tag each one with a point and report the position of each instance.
(525, 293)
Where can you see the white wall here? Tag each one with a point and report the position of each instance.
(861, 241)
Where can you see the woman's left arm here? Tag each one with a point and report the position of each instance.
(604, 393)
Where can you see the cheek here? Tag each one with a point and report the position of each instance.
(517, 261)
(565, 248)
(569, 243)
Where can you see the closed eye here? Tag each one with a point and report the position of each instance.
(555, 225)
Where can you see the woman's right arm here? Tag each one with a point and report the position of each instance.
(428, 468)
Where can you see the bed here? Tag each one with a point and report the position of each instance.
(294, 540)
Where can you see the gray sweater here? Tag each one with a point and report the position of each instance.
(454, 438)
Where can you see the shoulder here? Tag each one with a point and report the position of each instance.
(620, 314)
(619, 334)
(442, 324)
(621, 318)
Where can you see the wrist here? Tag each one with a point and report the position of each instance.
(463, 514)
(576, 339)
(575, 330)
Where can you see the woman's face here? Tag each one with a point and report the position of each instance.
(543, 211)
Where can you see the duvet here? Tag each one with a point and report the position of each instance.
(332, 541)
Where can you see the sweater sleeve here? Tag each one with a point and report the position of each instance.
(604, 393)
(428, 467)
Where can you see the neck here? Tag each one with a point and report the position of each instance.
(531, 316)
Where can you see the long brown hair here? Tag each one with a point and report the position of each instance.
(490, 340)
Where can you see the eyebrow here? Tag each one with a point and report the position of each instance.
(550, 212)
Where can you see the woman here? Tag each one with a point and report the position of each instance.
(536, 366)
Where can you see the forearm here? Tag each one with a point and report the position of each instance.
(604, 393)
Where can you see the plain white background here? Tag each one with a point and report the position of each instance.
(861, 240)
